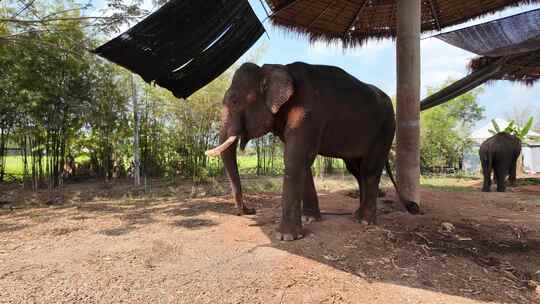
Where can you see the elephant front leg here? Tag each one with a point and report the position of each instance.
(290, 228)
(310, 208)
(298, 160)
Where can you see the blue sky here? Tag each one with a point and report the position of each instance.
(375, 63)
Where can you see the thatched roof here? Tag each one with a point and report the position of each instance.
(524, 68)
(355, 21)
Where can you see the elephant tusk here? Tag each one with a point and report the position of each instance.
(221, 148)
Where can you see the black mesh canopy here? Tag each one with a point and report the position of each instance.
(507, 36)
(186, 44)
(510, 49)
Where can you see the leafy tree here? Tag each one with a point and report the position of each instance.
(24, 17)
(50, 89)
(445, 130)
(105, 133)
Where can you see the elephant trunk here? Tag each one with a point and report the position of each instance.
(227, 150)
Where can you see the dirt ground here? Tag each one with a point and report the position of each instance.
(171, 244)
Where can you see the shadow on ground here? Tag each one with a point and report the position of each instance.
(466, 244)
(486, 254)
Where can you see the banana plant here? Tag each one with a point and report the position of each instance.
(496, 129)
(512, 128)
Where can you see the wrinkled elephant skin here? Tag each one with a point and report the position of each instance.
(499, 154)
(314, 110)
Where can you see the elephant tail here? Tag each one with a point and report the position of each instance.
(411, 206)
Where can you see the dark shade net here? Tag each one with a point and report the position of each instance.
(510, 49)
(507, 36)
(186, 44)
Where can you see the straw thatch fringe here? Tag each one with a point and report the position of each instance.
(312, 18)
(524, 69)
(347, 40)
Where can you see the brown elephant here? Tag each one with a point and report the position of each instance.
(314, 110)
(499, 154)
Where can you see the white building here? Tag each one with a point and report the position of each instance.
(530, 149)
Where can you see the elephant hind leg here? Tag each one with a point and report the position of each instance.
(486, 171)
(353, 166)
(513, 171)
(368, 181)
(367, 213)
(501, 170)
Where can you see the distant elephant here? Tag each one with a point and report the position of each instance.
(313, 109)
(499, 154)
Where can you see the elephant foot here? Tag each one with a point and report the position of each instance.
(288, 236)
(365, 217)
(486, 190)
(309, 216)
(501, 190)
(246, 211)
(306, 219)
(290, 233)
(412, 207)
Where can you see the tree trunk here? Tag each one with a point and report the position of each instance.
(2, 153)
(136, 147)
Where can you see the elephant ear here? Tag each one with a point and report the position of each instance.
(277, 86)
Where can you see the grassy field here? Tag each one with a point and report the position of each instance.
(248, 163)
(449, 183)
(14, 164)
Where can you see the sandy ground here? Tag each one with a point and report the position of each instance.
(97, 245)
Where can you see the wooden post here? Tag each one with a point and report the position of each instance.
(136, 127)
(408, 98)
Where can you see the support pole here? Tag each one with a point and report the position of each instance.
(136, 127)
(408, 99)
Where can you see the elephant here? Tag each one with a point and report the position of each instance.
(314, 110)
(499, 154)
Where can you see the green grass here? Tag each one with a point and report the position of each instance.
(448, 183)
(248, 163)
(14, 164)
(528, 181)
